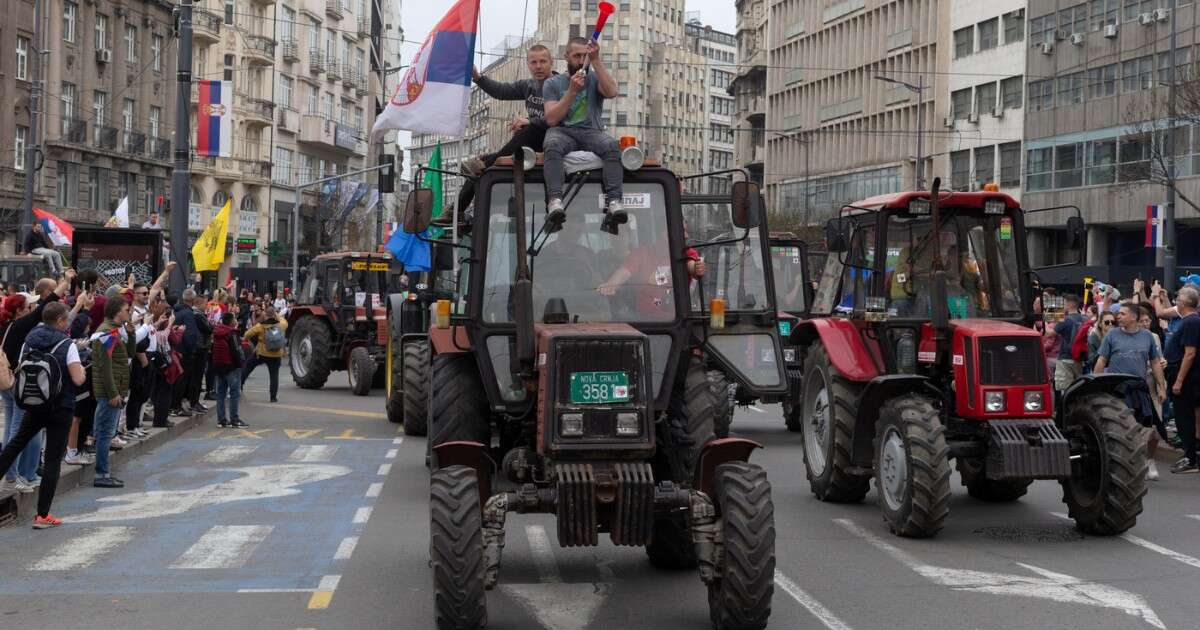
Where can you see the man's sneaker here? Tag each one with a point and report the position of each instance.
(108, 482)
(141, 433)
(237, 423)
(1185, 468)
(181, 413)
(472, 166)
(615, 206)
(199, 406)
(75, 458)
(1152, 471)
(117, 444)
(30, 484)
(222, 424)
(555, 204)
(46, 522)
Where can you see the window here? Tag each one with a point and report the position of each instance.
(287, 27)
(284, 98)
(960, 170)
(1010, 92)
(1010, 164)
(127, 114)
(281, 170)
(1070, 89)
(1102, 13)
(101, 31)
(67, 96)
(310, 99)
(1014, 26)
(1137, 74)
(70, 15)
(19, 147)
(960, 103)
(66, 192)
(1041, 30)
(1073, 19)
(327, 105)
(574, 30)
(98, 194)
(219, 198)
(1068, 165)
(314, 37)
(989, 34)
(985, 98)
(1134, 8)
(1038, 169)
(1102, 81)
(229, 11)
(1183, 58)
(156, 49)
(22, 58)
(985, 166)
(131, 47)
(99, 110)
(964, 41)
(622, 61)
(155, 122)
(624, 31)
(127, 187)
(228, 71)
(1102, 162)
(1134, 156)
(622, 119)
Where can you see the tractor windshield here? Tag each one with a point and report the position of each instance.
(599, 277)
(734, 269)
(789, 277)
(979, 257)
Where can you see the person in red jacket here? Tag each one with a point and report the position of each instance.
(226, 350)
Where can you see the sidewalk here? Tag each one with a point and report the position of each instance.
(17, 508)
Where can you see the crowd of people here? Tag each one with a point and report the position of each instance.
(1148, 335)
(116, 360)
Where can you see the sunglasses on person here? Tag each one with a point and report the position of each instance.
(1108, 322)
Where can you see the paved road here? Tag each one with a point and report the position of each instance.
(316, 517)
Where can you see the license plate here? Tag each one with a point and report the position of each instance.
(599, 388)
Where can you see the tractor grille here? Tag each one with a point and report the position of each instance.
(601, 355)
(1011, 361)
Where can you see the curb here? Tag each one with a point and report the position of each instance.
(16, 508)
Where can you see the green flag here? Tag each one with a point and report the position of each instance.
(433, 180)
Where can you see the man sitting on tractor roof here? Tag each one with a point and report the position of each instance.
(574, 104)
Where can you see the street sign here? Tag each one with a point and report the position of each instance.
(247, 244)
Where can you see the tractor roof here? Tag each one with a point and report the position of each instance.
(968, 200)
(386, 257)
(506, 162)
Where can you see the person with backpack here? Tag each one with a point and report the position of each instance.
(270, 333)
(227, 360)
(1067, 368)
(114, 343)
(45, 380)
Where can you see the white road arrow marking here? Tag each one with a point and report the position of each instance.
(258, 482)
(1058, 587)
(809, 602)
(555, 604)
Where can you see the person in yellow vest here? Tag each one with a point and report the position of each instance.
(268, 331)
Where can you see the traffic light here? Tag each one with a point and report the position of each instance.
(387, 175)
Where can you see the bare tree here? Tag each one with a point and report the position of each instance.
(1153, 122)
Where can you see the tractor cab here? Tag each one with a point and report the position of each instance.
(790, 265)
(21, 270)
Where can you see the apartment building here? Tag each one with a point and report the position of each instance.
(986, 94)
(1096, 126)
(108, 107)
(720, 49)
(749, 85)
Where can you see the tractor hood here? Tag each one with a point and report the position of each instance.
(990, 328)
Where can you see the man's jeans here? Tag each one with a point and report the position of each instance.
(228, 384)
(52, 258)
(562, 140)
(105, 428)
(27, 463)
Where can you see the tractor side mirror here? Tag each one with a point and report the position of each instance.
(418, 210)
(745, 205)
(1076, 233)
(836, 239)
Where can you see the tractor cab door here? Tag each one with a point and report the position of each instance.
(789, 266)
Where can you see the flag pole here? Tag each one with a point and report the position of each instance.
(183, 146)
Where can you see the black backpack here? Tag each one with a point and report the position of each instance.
(38, 381)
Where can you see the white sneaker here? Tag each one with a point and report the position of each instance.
(615, 207)
(1152, 472)
(118, 444)
(76, 458)
(25, 487)
(555, 204)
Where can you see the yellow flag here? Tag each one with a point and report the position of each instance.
(209, 250)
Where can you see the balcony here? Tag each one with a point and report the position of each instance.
(74, 130)
(134, 142)
(106, 138)
(206, 26)
(349, 76)
(256, 173)
(203, 164)
(256, 112)
(364, 27)
(334, 9)
(228, 169)
(316, 61)
(290, 50)
(265, 3)
(329, 135)
(160, 149)
(260, 50)
(333, 70)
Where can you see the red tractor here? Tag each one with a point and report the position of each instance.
(919, 349)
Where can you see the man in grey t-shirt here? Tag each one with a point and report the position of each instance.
(574, 103)
(1131, 350)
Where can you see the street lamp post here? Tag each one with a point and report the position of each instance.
(919, 89)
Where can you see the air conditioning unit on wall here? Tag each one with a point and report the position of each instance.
(1161, 15)
(1077, 39)
(997, 112)
(1047, 48)
(948, 122)
(1110, 30)
(1146, 19)
(104, 55)
(973, 118)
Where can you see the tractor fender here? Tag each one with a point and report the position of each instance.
(1089, 384)
(842, 342)
(452, 340)
(717, 452)
(878, 391)
(298, 312)
(473, 455)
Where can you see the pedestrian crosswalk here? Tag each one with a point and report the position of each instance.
(228, 453)
(223, 547)
(84, 549)
(313, 453)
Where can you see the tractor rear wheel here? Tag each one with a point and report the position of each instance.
(361, 371)
(990, 490)
(456, 549)
(741, 598)
(458, 404)
(309, 350)
(1104, 493)
(827, 414)
(416, 388)
(706, 398)
(912, 467)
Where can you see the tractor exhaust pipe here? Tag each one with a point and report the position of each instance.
(522, 362)
(940, 309)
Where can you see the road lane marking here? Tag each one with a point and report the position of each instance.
(84, 549)
(374, 489)
(227, 453)
(1156, 548)
(324, 594)
(237, 433)
(1053, 586)
(346, 548)
(362, 514)
(755, 409)
(300, 434)
(398, 440)
(543, 555)
(348, 434)
(391, 454)
(1195, 517)
(384, 469)
(818, 610)
(313, 453)
(223, 547)
(328, 410)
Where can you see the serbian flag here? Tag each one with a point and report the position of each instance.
(1154, 226)
(214, 118)
(432, 97)
(60, 231)
(108, 340)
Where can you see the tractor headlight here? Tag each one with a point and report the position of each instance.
(906, 354)
(789, 355)
(1034, 401)
(571, 425)
(993, 401)
(632, 158)
(628, 424)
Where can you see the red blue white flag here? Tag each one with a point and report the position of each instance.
(1154, 225)
(432, 97)
(60, 231)
(214, 118)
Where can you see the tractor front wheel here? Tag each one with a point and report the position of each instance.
(456, 549)
(309, 353)
(827, 413)
(1104, 493)
(458, 404)
(361, 371)
(415, 375)
(912, 468)
(741, 598)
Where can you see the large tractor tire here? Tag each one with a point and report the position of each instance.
(912, 467)
(1104, 493)
(361, 371)
(458, 404)
(456, 549)
(395, 392)
(416, 388)
(706, 396)
(741, 599)
(828, 409)
(990, 490)
(308, 353)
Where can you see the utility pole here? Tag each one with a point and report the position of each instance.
(1169, 215)
(33, 147)
(919, 88)
(183, 148)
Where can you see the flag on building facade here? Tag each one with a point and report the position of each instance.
(1154, 226)
(214, 118)
(209, 251)
(60, 231)
(433, 95)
